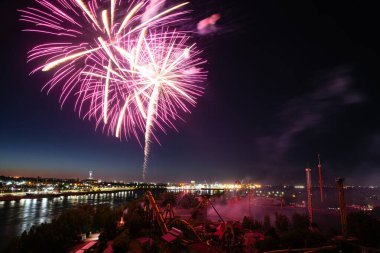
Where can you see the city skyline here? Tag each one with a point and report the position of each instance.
(281, 89)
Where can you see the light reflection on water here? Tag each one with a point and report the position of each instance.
(17, 216)
(20, 215)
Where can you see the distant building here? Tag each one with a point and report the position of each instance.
(90, 179)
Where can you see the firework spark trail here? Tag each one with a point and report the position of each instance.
(169, 74)
(149, 124)
(105, 101)
(152, 9)
(84, 40)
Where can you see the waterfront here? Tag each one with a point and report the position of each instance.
(19, 215)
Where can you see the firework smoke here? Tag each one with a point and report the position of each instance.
(208, 24)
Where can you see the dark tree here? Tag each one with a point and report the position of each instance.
(266, 223)
(376, 212)
(250, 223)
(365, 228)
(121, 242)
(269, 243)
(63, 232)
(300, 222)
(168, 198)
(281, 222)
(134, 219)
(188, 201)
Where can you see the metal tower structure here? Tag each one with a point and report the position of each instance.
(309, 199)
(250, 201)
(320, 178)
(342, 206)
(90, 174)
(157, 213)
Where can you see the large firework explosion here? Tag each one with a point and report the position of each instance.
(128, 68)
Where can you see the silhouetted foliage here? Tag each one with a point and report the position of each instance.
(168, 198)
(250, 223)
(300, 221)
(154, 247)
(121, 242)
(365, 228)
(269, 243)
(281, 222)
(293, 239)
(101, 217)
(188, 201)
(272, 233)
(296, 234)
(102, 242)
(134, 219)
(376, 212)
(314, 239)
(266, 223)
(63, 232)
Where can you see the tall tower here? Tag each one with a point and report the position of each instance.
(320, 178)
(309, 200)
(90, 174)
(342, 206)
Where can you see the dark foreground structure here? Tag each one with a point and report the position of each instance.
(180, 222)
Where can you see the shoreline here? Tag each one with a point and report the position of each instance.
(11, 197)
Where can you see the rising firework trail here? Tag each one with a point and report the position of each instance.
(126, 68)
(168, 77)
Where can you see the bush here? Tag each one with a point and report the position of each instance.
(269, 243)
(102, 243)
(188, 201)
(168, 198)
(151, 248)
(266, 223)
(134, 219)
(62, 233)
(121, 242)
(315, 239)
(293, 239)
(250, 223)
(365, 228)
(281, 222)
(300, 221)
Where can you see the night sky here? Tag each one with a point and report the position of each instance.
(286, 81)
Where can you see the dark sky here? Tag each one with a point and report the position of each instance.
(286, 81)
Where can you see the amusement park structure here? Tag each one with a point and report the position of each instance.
(195, 231)
(342, 206)
(309, 196)
(320, 178)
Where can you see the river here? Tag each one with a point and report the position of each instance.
(17, 216)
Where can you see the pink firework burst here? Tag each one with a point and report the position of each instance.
(156, 77)
(128, 71)
(78, 37)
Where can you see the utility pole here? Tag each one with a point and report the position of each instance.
(250, 202)
(342, 206)
(37, 184)
(309, 199)
(320, 178)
